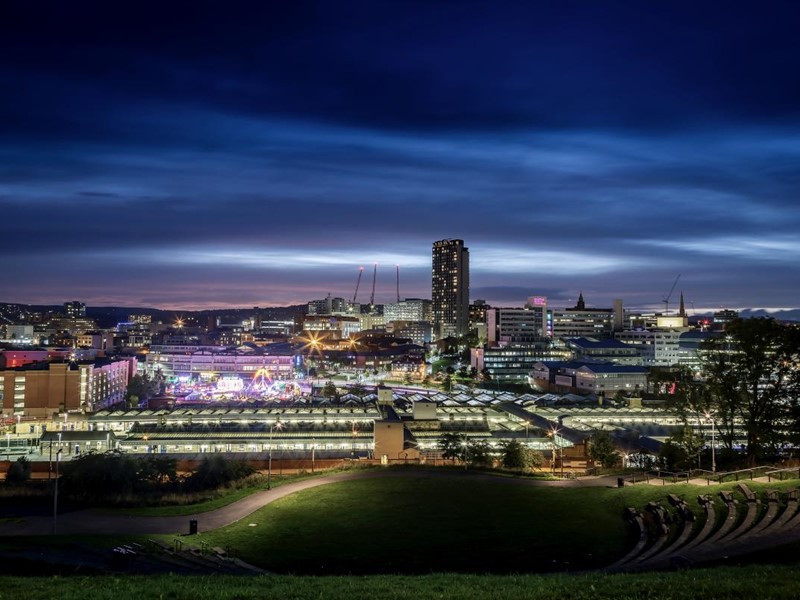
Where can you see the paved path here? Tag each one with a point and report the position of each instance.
(93, 521)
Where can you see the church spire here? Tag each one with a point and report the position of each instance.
(682, 311)
(581, 304)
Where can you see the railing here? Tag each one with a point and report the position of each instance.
(783, 474)
(710, 476)
(663, 476)
(751, 473)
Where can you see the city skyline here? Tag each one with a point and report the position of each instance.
(259, 157)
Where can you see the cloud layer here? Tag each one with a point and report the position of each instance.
(260, 155)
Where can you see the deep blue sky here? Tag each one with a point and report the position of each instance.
(210, 154)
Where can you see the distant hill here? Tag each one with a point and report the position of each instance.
(780, 315)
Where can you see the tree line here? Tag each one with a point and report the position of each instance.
(747, 389)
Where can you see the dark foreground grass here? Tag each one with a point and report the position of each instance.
(418, 525)
(720, 583)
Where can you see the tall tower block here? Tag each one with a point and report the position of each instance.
(450, 288)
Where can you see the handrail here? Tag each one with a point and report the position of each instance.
(769, 474)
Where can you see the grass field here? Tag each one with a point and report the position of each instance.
(778, 583)
(420, 524)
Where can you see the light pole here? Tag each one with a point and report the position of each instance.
(275, 425)
(466, 445)
(55, 492)
(8, 447)
(710, 417)
(354, 433)
(560, 448)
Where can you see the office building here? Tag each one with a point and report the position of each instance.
(583, 322)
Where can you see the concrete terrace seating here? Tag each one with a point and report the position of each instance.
(667, 541)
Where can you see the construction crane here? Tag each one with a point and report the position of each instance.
(374, 277)
(666, 300)
(398, 282)
(358, 282)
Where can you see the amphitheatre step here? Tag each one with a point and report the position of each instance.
(711, 517)
(662, 520)
(729, 520)
(635, 517)
(769, 517)
(753, 511)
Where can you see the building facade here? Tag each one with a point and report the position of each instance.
(450, 288)
(44, 388)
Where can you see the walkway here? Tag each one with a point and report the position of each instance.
(93, 521)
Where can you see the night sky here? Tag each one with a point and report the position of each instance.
(219, 154)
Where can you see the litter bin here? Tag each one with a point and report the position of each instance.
(620, 483)
(193, 527)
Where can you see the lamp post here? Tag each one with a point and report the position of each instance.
(552, 434)
(560, 447)
(710, 417)
(273, 426)
(8, 447)
(55, 492)
(466, 445)
(354, 433)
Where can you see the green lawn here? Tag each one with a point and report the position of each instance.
(778, 583)
(418, 524)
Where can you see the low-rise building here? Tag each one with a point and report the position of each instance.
(43, 388)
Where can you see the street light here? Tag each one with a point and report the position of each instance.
(55, 492)
(275, 425)
(710, 417)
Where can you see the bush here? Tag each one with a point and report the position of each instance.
(19, 472)
(217, 471)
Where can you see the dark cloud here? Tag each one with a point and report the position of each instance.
(271, 148)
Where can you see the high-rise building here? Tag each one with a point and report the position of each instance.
(450, 288)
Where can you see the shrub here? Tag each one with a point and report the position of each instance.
(19, 471)
(217, 471)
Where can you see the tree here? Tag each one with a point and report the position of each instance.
(447, 383)
(358, 390)
(684, 447)
(516, 456)
(142, 387)
(19, 471)
(602, 449)
(451, 444)
(217, 471)
(479, 453)
(513, 455)
(158, 469)
(753, 379)
(330, 391)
